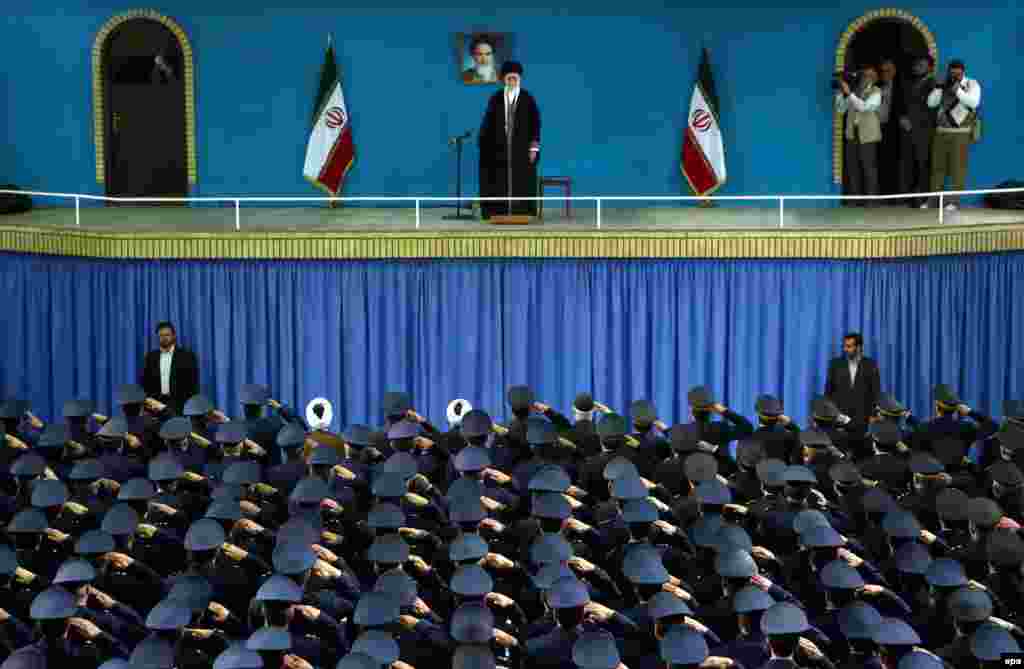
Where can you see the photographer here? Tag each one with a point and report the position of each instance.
(957, 101)
(863, 130)
(917, 124)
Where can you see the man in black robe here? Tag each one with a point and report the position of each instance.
(510, 147)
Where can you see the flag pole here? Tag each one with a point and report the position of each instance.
(331, 204)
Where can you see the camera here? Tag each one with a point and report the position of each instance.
(851, 79)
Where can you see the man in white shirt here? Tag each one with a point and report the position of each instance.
(170, 374)
(863, 132)
(957, 102)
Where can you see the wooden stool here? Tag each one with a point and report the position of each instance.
(565, 183)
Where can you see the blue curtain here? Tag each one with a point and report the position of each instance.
(350, 331)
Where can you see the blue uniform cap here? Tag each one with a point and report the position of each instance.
(90, 469)
(919, 658)
(8, 561)
(550, 573)
(115, 428)
(990, 642)
(770, 472)
(121, 520)
(227, 491)
(54, 435)
(324, 455)
(94, 542)
(388, 548)
(396, 403)
(895, 632)
(279, 588)
(377, 609)
(355, 661)
(704, 532)
(467, 546)
(54, 603)
(297, 530)
(665, 605)
(749, 452)
(48, 492)
(403, 464)
(769, 405)
(550, 548)
(309, 491)
(233, 432)
(136, 490)
(626, 488)
(639, 511)
(254, 393)
(901, 525)
(642, 565)
(237, 656)
(784, 618)
(735, 564)
(885, 433)
(469, 512)
(1005, 548)
(291, 436)
(877, 500)
(244, 472)
(192, 591)
(568, 593)
(475, 424)
(612, 426)
(13, 408)
(751, 598)
(170, 614)
(399, 584)
(29, 465)
(389, 485)
(204, 534)
(358, 435)
(293, 558)
(642, 412)
(404, 429)
(153, 652)
(520, 397)
(839, 575)
(198, 405)
(224, 509)
(809, 518)
(270, 639)
(379, 645)
(912, 558)
(683, 645)
(700, 467)
(946, 573)
(463, 489)
(471, 581)
(845, 473)
(473, 657)
(118, 663)
(822, 536)
(714, 493)
(540, 431)
(176, 429)
(79, 408)
(550, 505)
(700, 397)
(75, 571)
(165, 467)
(595, 650)
(129, 394)
(815, 439)
(799, 474)
(385, 517)
(619, 467)
(858, 620)
(473, 623)
(984, 512)
(550, 478)
(970, 605)
(472, 459)
(926, 464)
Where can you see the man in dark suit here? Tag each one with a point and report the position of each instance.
(170, 374)
(853, 382)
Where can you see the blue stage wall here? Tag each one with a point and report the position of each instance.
(613, 82)
(626, 330)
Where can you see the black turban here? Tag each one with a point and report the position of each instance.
(511, 67)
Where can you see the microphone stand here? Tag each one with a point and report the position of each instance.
(459, 140)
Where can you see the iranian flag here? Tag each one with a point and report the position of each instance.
(330, 151)
(703, 160)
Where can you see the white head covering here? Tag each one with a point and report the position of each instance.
(456, 410)
(316, 422)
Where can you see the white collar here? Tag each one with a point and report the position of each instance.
(168, 351)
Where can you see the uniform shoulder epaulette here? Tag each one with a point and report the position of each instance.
(76, 508)
(416, 500)
(24, 576)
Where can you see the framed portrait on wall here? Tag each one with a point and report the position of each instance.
(480, 55)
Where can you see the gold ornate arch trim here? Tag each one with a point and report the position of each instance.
(98, 89)
(844, 42)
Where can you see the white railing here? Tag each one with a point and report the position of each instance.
(780, 200)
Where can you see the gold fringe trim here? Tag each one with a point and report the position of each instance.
(949, 240)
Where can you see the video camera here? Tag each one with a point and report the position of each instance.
(852, 79)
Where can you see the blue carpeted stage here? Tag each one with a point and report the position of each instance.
(351, 330)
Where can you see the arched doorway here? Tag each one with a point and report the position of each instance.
(877, 35)
(143, 107)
